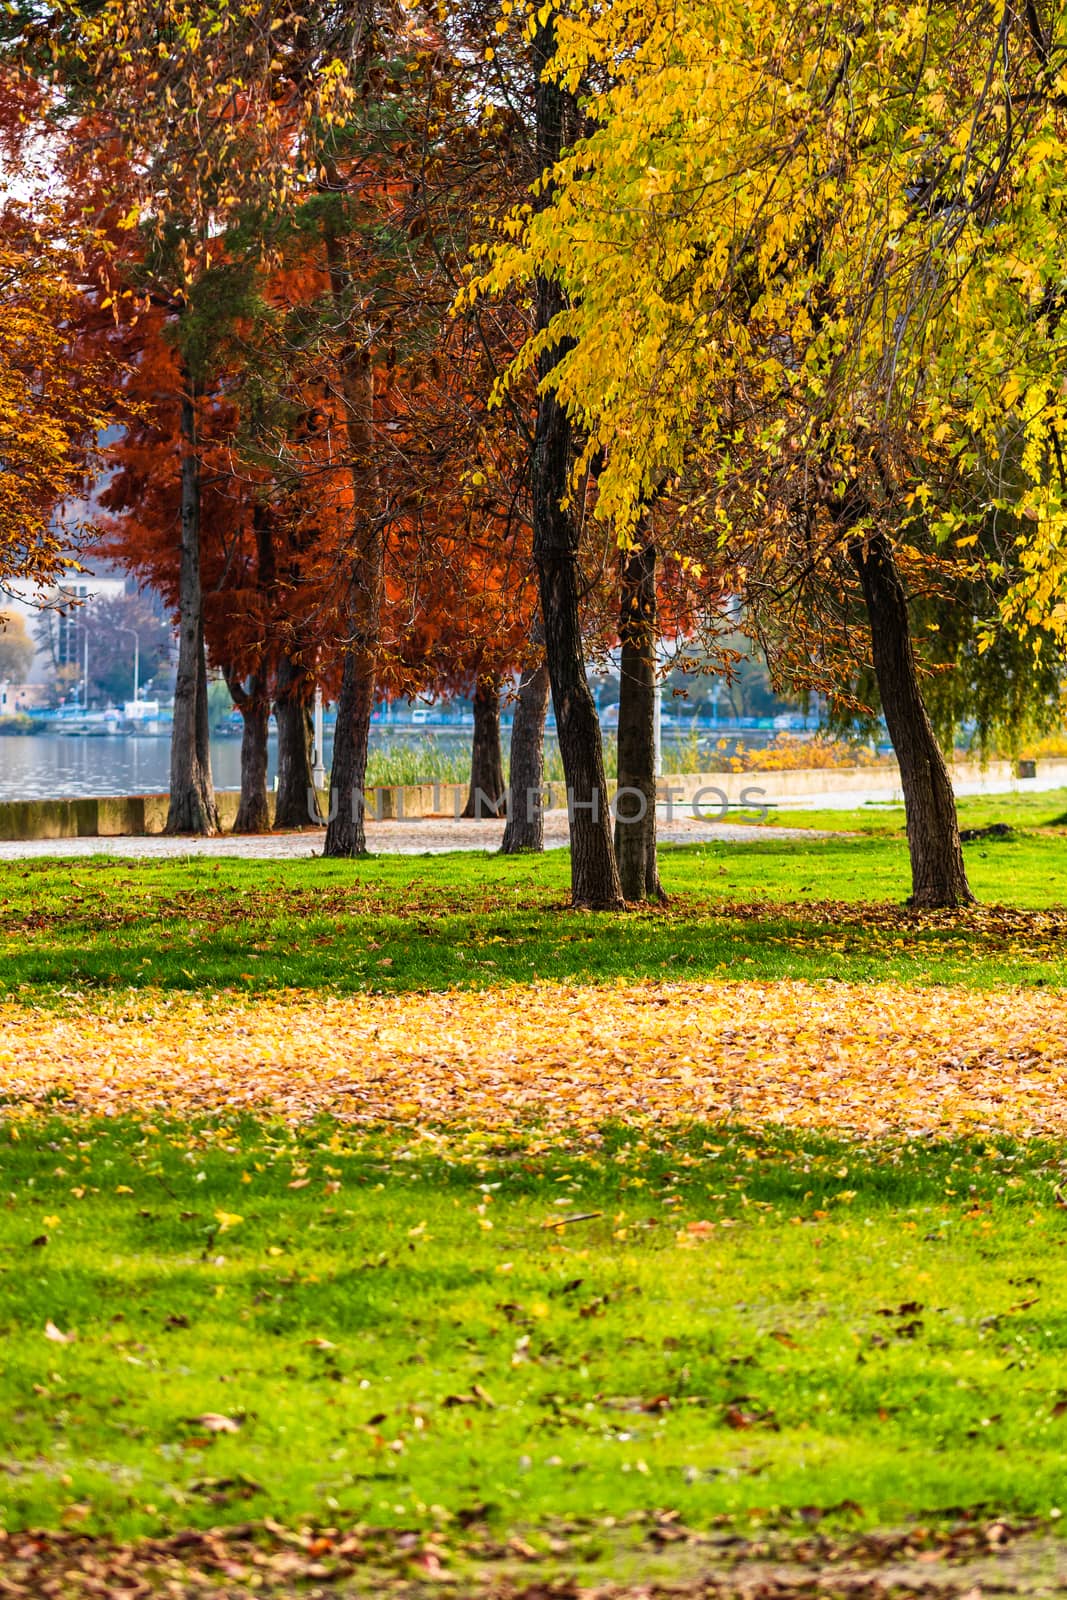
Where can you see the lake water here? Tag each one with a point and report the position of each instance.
(56, 765)
(61, 766)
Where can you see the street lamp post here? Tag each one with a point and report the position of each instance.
(319, 770)
(121, 628)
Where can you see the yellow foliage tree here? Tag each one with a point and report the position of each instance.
(810, 256)
(48, 424)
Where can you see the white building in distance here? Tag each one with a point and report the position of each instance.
(64, 600)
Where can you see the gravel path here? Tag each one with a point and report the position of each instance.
(428, 836)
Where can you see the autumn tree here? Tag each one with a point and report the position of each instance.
(487, 150)
(267, 568)
(276, 490)
(594, 873)
(462, 597)
(215, 112)
(563, 473)
(48, 421)
(364, 231)
(48, 413)
(282, 593)
(445, 479)
(798, 271)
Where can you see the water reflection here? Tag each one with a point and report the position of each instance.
(55, 765)
(64, 766)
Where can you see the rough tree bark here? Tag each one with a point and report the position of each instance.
(346, 830)
(253, 702)
(192, 794)
(296, 803)
(526, 822)
(635, 806)
(252, 697)
(594, 874)
(487, 789)
(938, 875)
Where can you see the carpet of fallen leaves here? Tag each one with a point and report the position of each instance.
(860, 1059)
(963, 1562)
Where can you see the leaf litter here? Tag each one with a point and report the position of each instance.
(971, 1558)
(861, 1059)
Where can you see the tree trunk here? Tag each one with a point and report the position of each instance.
(635, 805)
(594, 874)
(253, 701)
(938, 875)
(253, 812)
(346, 830)
(487, 789)
(526, 821)
(296, 804)
(192, 794)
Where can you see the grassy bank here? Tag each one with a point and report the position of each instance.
(818, 907)
(495, 1335)
(209, 1324)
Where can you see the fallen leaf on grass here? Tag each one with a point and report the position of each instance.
(220, 1491)
(56, 1336)
(216, 1422)
(477, 1397)
(736, 1417)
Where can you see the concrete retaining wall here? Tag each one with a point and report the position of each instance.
(147, 813)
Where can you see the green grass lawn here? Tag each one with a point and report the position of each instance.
(388, 1332)
(1025, 811)
(470, 1339)
(769, 909)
